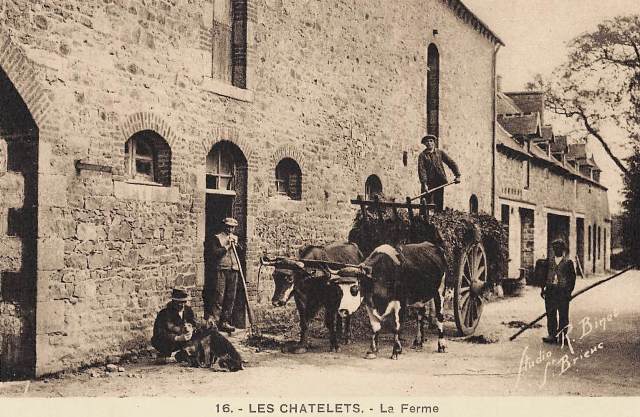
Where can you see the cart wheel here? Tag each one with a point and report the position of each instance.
(468, 288)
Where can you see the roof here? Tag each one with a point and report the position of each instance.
(559, 144)
(507, 144)
(464, 13)
(520, 124)
(528, 101)
(505, 105)
(547, 132)
(579, 150)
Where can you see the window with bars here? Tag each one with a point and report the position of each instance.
(289, 179)
(229, 42)
(148, 158)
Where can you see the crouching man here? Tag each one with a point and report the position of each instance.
(174, 326)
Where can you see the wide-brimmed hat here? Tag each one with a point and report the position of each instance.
(178, 294)
(230, 221)
(427, 137)
(559, 242)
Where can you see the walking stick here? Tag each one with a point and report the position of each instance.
(433, 189)
(244, 287)
(528, 326)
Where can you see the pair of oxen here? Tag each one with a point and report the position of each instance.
(389, 278)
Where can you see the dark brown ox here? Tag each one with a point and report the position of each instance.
(312, 287)
(390, 276)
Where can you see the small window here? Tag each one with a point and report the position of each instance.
(526, 174)
(148, 158)
(289, 179)
(372, 187)
(473, 204)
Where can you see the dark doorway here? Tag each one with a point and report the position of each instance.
(558, 227)
(19, 216)
(226, 196)
(527, 235)
(580, 244)
(594, 245)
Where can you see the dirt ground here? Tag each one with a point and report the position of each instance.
(604, 362)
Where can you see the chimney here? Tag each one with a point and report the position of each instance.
(499, 83)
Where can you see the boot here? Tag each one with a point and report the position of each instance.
(226, 327)
(550, 339)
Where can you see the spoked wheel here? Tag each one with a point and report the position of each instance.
(469, 286)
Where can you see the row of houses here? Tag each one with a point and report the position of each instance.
(130, 128)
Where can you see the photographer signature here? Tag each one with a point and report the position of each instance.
(556, 366)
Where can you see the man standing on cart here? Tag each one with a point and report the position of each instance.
(431, 171)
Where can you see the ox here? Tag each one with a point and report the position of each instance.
(411, 273)
(312, 287)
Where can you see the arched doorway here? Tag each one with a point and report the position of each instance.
(226, 196)
(19, 136)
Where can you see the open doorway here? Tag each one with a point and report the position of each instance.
(558, 227)
(580, 244)
(226, 196)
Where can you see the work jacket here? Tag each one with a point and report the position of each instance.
(431, 167)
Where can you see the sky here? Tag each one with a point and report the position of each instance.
(536, 34)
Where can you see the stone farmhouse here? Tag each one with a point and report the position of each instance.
(130, 128)
(547, 189)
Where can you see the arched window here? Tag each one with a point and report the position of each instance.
(433, 91)
(148, 158)
(289, 179)
(372, 187)
(473, 204)
(222, 163)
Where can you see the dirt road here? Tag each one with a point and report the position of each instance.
(603, 360)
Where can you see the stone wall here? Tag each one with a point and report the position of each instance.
(550, 192)
(338, 86)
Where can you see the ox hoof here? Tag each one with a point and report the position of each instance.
(394, 356)
(371, 355)
(335, 349)
(442, 349)
(299, 350)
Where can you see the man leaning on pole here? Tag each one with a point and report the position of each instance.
(219, 292)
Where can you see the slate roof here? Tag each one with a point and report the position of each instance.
(520, 124)
(559, 144)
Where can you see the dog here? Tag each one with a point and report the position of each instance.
(207, 347)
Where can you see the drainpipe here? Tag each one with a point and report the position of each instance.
(494, 130)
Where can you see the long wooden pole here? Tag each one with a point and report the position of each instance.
(432, 190)
(528, 326)
(244, 287)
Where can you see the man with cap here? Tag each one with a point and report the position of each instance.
(174, 325)
(219, 292)
(556, 291)
(431, 170)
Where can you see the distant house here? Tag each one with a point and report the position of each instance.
(547, 188)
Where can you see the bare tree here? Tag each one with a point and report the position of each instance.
(600, 82)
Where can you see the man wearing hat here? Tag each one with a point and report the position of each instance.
(174, 325)
(431, 170)
(219, 291)
(556, 291)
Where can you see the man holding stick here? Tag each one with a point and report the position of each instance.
(431, 171)
(219, 292)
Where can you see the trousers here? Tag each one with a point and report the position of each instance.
(220, 303)
(556, 303)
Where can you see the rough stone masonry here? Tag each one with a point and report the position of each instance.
(339, 86)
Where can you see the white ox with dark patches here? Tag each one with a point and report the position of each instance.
(410, 273)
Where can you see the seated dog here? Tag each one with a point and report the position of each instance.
(208, 346)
